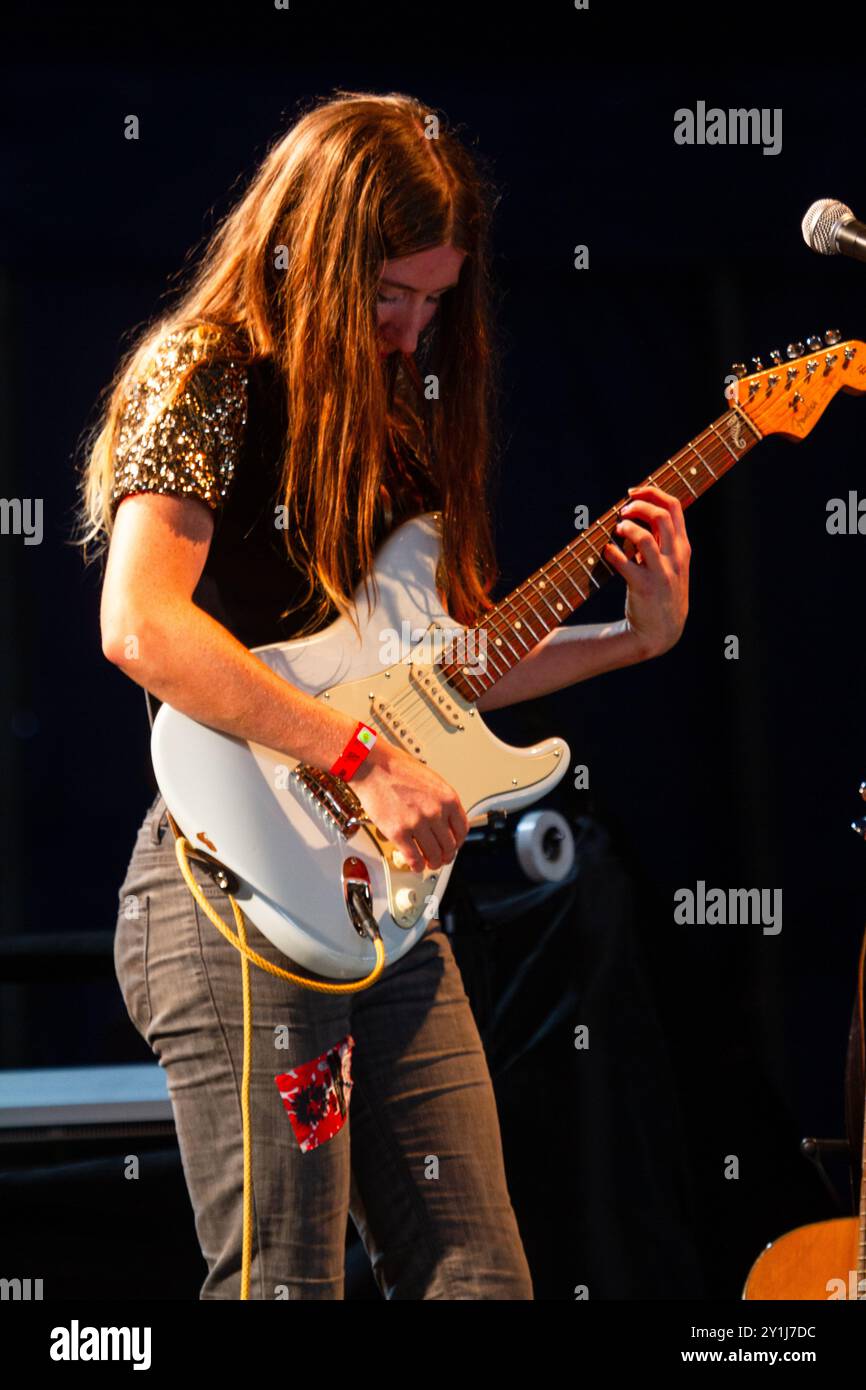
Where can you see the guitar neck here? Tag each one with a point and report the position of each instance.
(543, 601)
(861, 1223)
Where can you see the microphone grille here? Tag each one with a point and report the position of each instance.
(821, 224)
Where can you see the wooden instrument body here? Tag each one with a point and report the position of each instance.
(817, 1262)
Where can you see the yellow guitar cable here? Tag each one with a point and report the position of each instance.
(247, 954)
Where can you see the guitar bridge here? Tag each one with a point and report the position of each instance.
(333, 799)
(339, 807)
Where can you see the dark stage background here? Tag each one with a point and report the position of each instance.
(741, 773)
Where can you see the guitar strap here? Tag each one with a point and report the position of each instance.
(150, 701)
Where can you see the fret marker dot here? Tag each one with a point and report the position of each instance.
(559, 605)
(693, 471)
(517, 624)
(498, 641)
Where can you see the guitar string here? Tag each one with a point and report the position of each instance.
(409, 697)
(719, 450)
(523, 600)
(719, 454)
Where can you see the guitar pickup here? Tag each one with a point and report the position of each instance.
(396, 726)
(435, 689)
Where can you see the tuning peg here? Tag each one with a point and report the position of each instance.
(814, 344)
(739, 369)
(794, 350)
(776, 357)
(759, 366)
(859, 827)
(832, 336)
(863, 790)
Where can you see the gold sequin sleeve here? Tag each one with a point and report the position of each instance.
(187, 445)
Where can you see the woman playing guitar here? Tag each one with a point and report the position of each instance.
(258, 443)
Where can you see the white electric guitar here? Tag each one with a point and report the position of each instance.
(306, 864)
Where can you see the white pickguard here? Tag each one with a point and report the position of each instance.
(233, 798)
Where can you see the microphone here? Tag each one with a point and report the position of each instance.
(831, 229)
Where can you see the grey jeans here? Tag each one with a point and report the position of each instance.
(418, 1160)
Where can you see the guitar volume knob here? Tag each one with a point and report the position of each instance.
(405, 899)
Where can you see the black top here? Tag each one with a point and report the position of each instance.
(221, 440)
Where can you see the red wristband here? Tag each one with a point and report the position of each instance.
(355, 752)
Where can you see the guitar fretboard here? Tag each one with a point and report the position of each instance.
(543, 601)
(861, 1225)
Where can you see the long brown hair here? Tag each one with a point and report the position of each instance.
(292, 273)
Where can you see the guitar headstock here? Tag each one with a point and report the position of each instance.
(790, 396)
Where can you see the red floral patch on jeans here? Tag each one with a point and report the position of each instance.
(316, 1094)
